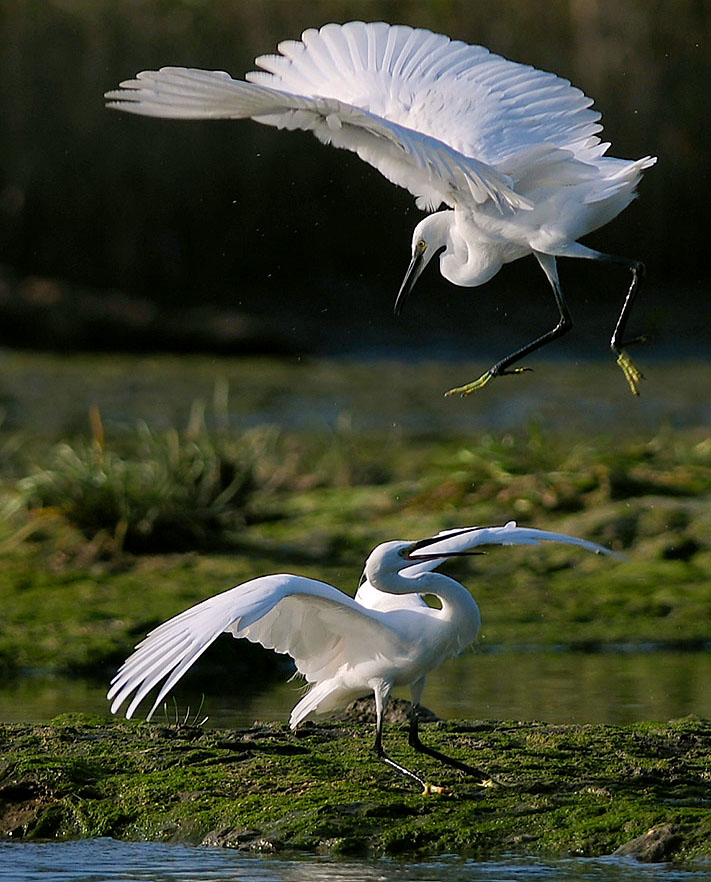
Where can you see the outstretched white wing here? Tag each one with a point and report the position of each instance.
(304, 618)
(478, 103)
(463, 539)
(448, 121)
(430, 169)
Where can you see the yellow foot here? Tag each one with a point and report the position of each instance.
(470, 387)
(481, 382)
(632, 373)
(429, 789)
(489, 783)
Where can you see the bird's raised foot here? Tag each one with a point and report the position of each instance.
(632, 373)
(489, 782)
(429, 789)
(483, 380)
(470, 387)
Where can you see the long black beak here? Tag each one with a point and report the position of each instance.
(414, 555)
(417, 264)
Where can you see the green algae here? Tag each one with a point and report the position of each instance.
(562, 790)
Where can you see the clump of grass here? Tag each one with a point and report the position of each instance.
(164, 491)
(15, 526)
(534, 474)
(149, 491)
(288, 462)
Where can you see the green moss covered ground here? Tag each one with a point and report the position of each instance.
(578, 790)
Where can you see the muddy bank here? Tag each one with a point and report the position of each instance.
(579, 790)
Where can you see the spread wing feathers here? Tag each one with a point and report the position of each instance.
(479, 104)
(467, 538)
(290, 614)
(428, 167)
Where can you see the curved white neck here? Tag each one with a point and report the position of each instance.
(469, 261)
(469, 257)
(458, 605)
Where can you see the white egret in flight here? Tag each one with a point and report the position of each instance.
(345, 648)
(513, 152)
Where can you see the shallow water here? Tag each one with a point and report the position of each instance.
(103, 860)
(49, 395)
(558, 687)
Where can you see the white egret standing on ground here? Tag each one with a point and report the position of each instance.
(344, 647)
(512, 151)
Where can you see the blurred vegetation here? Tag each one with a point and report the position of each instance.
(132, 488)
(84, 535)
(217, 213)
(166, 491)
(180, 489)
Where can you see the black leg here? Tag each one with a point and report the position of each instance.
(415, 743)
(380, 753)
(565, 323)
(632, 373)
(636, 267)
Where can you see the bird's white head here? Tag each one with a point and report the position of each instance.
(386, 560)
(430, 237)
(392, 558)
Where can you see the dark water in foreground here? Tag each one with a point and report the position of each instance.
(103, 860)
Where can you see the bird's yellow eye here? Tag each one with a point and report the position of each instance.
(421, 245)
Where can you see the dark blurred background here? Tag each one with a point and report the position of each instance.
(122, 232)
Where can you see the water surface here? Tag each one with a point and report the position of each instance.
(49, 396)
(103, 860)
(557, 687)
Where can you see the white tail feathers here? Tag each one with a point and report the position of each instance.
(322, 698)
